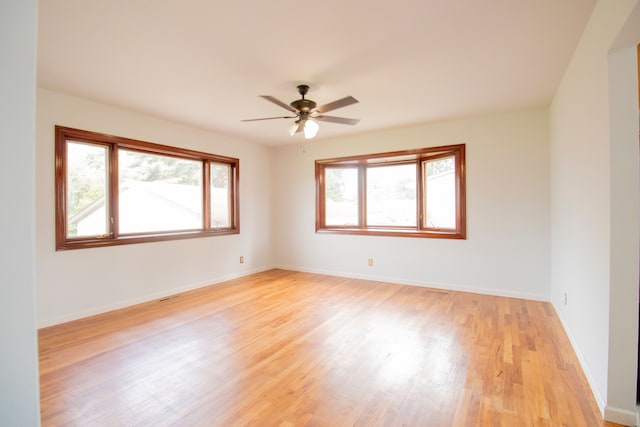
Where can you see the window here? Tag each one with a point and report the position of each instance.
(419, 193)
(112, 190)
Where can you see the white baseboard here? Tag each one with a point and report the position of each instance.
(167, 292)
(621, 416)
(424, 284)
(609, 413)
(600, 400)
(144, 298)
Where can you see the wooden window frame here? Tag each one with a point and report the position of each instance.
(114, 143)
(417, 157)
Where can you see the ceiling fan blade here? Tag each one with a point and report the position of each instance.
(337, 104)
(280, 103)
(341, 120)
(269, 118)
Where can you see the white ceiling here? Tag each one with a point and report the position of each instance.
(204, 62)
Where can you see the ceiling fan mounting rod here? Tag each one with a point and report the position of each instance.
(303, 105)
(303, 89)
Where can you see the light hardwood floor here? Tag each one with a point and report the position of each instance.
(284, 348)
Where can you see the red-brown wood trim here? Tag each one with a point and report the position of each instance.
(235, 192)
(362, 196)
(64, 134)
(113, 205)
(206, 194)
(461, 189)
(419, 197)
(60, 188)
(430, 152)
(320, 196)
(361, 162)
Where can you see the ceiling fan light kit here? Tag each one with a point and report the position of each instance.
(306, 112)
(310, 129)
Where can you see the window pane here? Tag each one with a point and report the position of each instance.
(220, 196)
(391, 196)
(440, 200)
(158, 193)
(341, 196)
(419, 192)
(86, 189)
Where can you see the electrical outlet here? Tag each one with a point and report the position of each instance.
(370, 262)
(242, 260)
(565, 298)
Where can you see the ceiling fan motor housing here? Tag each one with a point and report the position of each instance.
(303, 105)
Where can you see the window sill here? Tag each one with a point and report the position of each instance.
(430, 234)
(92, 242)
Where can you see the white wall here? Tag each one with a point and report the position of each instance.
(625, 232)
(19, 392)
(625, 217)
(507, 247)
(76, 283)
(590, 180)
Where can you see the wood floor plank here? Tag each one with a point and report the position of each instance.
(284, 348)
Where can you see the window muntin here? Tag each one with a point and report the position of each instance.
(418, 193)
(112, 190)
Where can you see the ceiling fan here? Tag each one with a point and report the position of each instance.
(306, 112)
